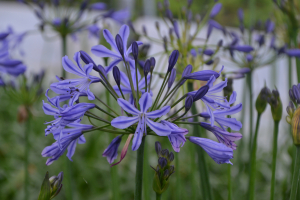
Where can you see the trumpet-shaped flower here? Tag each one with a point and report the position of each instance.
(223, 136)
(111, 152)
(219, 152)
(176, 137)
(143, 118)
(68, 140)
(102, 51)
(81, 84)
(212, 101)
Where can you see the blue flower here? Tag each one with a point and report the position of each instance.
(219, 152)
(111, 152)
(223, 136)
(63, 115)
(68, 140)
(143, 118)
(81, 84)
(125, 86)
(176, 137)
(220, 117)
(94, 30)
(102, 51)
(213, 101)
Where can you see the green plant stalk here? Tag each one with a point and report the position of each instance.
(113, 170)
(203, 170)
(67, 164)
(275, 137)
(139, 171)
(290, 73)
(178, 187)
(159, 93)
(64, 52)
(295, 40)
(229, 186)
(26, 162)
(253, 161)
(146, 175)
(158, 196)
(296, 173)
(249, 83)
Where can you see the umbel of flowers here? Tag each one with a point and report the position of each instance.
(140, 114)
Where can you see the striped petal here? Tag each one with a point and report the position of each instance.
(128, 107)
(145, 102)
(138, 135)
(70, 67)
(112, 64)
(124, 33)
(102, 51)
(124, 122)
(158, 128)
(110, 39)
(158, 113)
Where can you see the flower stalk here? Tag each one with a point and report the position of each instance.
(275, 137)
(296, 173)
(26, 180)
(139, 171)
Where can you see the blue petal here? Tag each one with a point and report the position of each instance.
(128, 107)
(124, 122)
(138, 135)
(71, 149)
(234, 109)
(49, 110)
(70, 67)
(229, 122)
(158, 113)
(218, 87)
(129, 50)
(158, 128)
(124, 33)
(145, 102)
(102, 51)
(110, 39)
(112, 64)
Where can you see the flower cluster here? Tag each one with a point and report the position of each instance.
(142, 112)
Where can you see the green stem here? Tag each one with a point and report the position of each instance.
(67, 178)
(203, 171)
(64, 51)
(295, 174)
(26, 180)
(160, 91)
(229, 183)
(290, 73)
(295, 40)
(139, 171)
(253, 161)
(178, 188)
(275, 136)
(249, 83)
(158, 196)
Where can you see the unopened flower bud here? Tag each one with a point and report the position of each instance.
(296, 127)
(171, 157)
(157, 25)
(51, 186)
(261, 101)
(188, 102)
(87, 59)
(162, 162)
(117, 75)
(147, 67)
(276, 106)
(165, 152)
(135, 50)
(200, 93)
(157, 147)
(166, 174)
(172, 78)
(119, 43)
(153, 62)
(173, 59)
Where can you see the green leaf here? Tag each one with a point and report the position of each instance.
(45, 188)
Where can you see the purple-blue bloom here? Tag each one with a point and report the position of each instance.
(143, 118)
(219, 152)
(177, 136)
(111, 152)
(102, 51)
(98, 6)
(68, 140)
(222, 135)
(293, 52)
(215, 10)
(81, 84)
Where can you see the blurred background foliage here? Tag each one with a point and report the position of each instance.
(91, 172)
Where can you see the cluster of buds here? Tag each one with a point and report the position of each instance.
(163, 170)
(293, 111)
(51, 186)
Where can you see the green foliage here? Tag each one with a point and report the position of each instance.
(45, 188)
